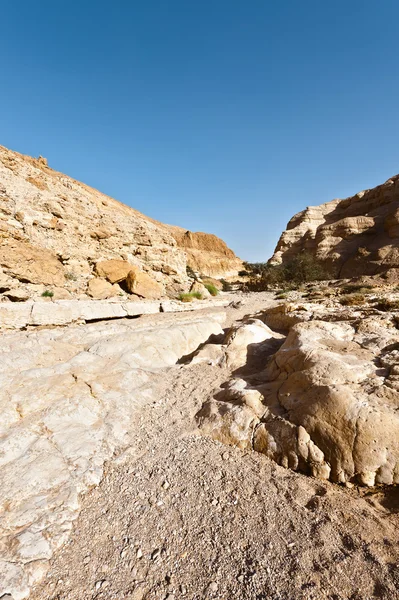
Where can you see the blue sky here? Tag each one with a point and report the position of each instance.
(219, 116)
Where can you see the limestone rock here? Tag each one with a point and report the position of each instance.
(100, 289)
(70, 399)
(206, 253)
(327, 401)
(353, 237)
(143, 285)
(198, 287)
(113, 270)
(240, 339)
(31, 264)
(17, 295)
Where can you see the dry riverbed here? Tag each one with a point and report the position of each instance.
(178, 515)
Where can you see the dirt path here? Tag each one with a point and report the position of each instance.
(182, 516)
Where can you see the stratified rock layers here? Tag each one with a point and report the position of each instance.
(206, 253)
(356, 236)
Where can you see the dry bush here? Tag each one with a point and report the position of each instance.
(353, 300)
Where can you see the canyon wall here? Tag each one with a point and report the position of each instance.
(355, 236)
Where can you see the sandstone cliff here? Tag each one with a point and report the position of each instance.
(355, 236)
(206, 253)
(63, 238)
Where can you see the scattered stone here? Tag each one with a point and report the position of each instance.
(155, 554)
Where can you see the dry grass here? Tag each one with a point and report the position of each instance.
(190, 296)
(353, 300)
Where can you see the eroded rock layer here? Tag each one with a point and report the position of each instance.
(355, 236)
(325, 403)
(206, 253)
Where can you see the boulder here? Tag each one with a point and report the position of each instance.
(100, 289)
(113, 270)
(27, 263)
(141, 284)
(17, 295)
(199, 287)
(242, 339)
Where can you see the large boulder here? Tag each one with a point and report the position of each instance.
(27, 263)
(113, 270)
(141, 284)
(100, 289)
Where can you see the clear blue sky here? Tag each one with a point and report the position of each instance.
(226, 116)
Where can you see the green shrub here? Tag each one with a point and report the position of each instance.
(281, 294)
(48, 294)
(302, 269)
(211, 289)
(226, 285)
(189, 296)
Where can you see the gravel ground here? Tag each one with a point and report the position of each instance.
(181, 516)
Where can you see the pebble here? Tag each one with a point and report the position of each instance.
(213, 586)
(155, 554)
(225, 456)
(166, 485)
(139, 553)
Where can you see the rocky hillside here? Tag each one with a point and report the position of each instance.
(206, 253)
(61, 237)
(355, 236)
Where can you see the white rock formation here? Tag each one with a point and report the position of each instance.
(69, 400)
(325, 403)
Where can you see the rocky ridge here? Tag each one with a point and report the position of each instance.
(353, 237)
(61, 237)
(206, 253)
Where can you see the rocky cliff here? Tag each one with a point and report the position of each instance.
(355, 236)
(206, 253)
(63, 238)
